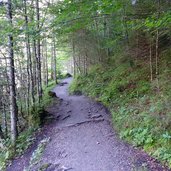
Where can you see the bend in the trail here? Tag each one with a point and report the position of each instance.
(82, 139)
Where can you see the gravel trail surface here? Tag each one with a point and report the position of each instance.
(82, 139)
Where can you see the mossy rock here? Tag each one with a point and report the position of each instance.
(52, 94)
(68, 75)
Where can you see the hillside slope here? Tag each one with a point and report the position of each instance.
(140, 107)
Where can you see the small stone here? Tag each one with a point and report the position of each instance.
(63, 168)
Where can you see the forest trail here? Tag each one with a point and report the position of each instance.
(82, 139)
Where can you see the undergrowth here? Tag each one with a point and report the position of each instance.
(38, 109)
(36, 155)
(140, 108)
(26, 138)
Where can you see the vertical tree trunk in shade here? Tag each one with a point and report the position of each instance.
(74, 60)
(54, 62)
(157, 49)
(38, 52)
(98, 40)
(151, 66)
(13, 103)
(105, 30)
(34, 59)
(5, 121)
(1, 133)
(29, 57)
(125, 25)
(36, 70)
(79, 63)
(43, 63)
(157, 52)
(46, 60)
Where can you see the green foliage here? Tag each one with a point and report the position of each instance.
(24, 140)
(140, 136)
(163, 154)
(46, 99)
(38, 108)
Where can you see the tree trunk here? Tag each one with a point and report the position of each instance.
(29, 57)
(38, 52)
(74, 60)
(5, 121)
(13, 103)
(1, 133)
(54, 62)
(46, 60)
(151, 66)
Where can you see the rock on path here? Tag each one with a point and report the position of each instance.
(82, 139)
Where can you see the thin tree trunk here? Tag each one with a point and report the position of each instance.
(39, 52)
(74, 60)
(46, 59)
(43, 63)
(34, 51)
(37, 70)
(1, 133)
(151, 66)
(5, 121)
(54, 62)
(157, 50)
(13, 102)
(157, 59)
(29, 57)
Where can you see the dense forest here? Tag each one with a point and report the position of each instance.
(118, 51)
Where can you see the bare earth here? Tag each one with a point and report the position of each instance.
(82, 139)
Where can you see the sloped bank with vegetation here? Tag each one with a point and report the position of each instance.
(140, 108)
(27, 136)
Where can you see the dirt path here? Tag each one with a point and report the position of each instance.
(82, 139)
